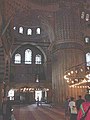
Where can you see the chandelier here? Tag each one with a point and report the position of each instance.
(78, 75)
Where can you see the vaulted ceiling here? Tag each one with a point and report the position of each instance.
(18, 12)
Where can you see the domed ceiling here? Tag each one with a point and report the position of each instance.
(29, 12)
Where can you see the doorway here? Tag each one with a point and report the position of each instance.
(38, 94)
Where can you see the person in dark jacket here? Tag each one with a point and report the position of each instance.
(84, 110)
(79, 102)
(66, 104)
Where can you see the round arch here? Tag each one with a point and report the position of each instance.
(33, 44)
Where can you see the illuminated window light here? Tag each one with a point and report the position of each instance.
(82, 15)
(87, 17)
(29, 31)
(87, 39)
(21, 30)
(38, 31)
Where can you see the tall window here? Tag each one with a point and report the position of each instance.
(21, 30)
(17, 58)
(82, 15)
(28, 56)
(88, 59)
(87, 17)
(29, 32)
(38, 59)
(38, 31)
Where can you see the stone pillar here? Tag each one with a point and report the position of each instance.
(68, 51)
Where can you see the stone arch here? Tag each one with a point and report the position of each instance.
(33, 44)
(33, 19)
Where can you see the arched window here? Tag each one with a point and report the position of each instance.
(28, 56)
(38, 31)
(29, 31)
(87, 17)
(87, 39)
(17, 58)
(82, 15)
(38, 59)
(21, 30)
(88, 59)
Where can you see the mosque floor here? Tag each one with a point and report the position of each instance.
(43, 112)
(32, 112)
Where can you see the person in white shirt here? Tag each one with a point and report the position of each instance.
(73, 109)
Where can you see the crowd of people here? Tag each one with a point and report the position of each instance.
(78, 109)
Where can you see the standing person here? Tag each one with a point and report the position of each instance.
(73, 109)
(4, 108)
(79, 102)
(37, 101)
(8, 109)
(12, 115)
(84, 110)
(41, 101)
(66, 104)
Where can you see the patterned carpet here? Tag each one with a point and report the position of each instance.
(32, 112)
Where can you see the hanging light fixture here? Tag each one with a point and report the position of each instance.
(78, 75)
(37, 79)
